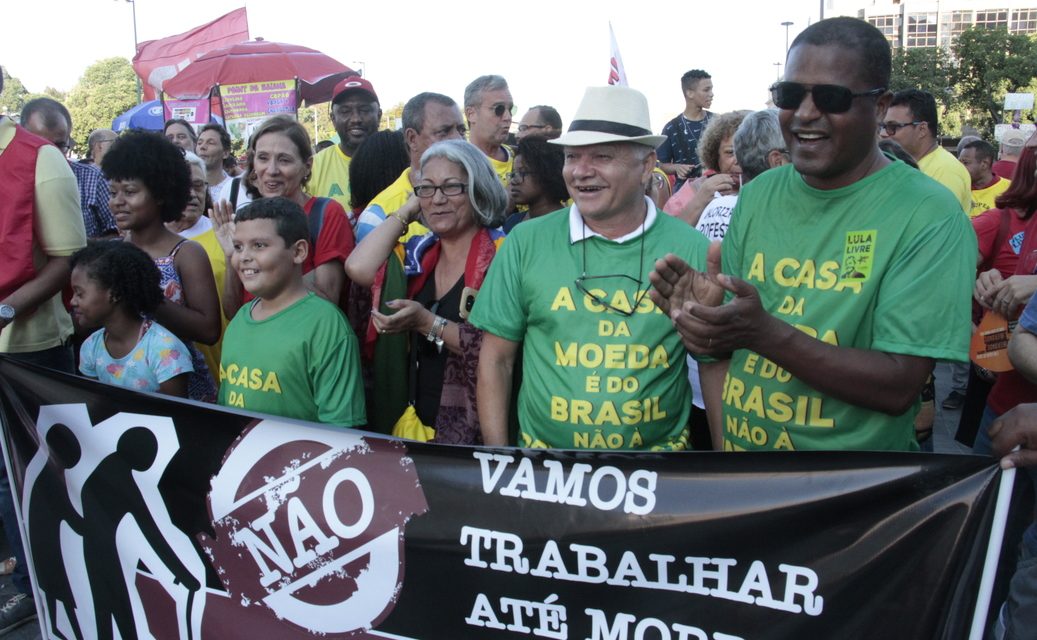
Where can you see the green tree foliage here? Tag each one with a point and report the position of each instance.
(108, 87)
(929, 69)
(991, 63)
(392, 117)
(317, 120)
(13, 96)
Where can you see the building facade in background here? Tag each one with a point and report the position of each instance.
(912, 24)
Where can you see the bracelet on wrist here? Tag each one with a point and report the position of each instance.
(435, 333)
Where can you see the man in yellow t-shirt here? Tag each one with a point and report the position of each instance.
(911, 120)
(978, 159)
(488, 107)
(427, 118)
(355, 113)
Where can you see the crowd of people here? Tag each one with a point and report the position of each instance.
(782, 279)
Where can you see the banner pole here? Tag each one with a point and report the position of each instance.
(997, 536)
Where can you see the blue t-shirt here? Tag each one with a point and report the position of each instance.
(158, 356)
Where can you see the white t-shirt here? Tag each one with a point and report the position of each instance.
(224, 194)
(716, 216)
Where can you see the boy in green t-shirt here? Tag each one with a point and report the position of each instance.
(289, 352)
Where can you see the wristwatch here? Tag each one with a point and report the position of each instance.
(6, 314)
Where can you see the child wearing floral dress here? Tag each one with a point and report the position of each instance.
(115, 286)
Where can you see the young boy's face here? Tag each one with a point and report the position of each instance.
(265, 264)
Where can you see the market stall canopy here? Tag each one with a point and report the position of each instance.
(260, 61)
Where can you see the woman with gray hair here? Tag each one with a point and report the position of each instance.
(422, 290)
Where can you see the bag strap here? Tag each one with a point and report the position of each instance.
(235, 184)
(316, 220)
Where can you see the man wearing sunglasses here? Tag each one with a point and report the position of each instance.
(488, 107)
(911, 120)
(825, 355)
(602, 367)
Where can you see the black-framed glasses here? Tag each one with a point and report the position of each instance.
(500, 109)
(526, 127)
(828, 98)
(449, 189)
(517, 176)
(600, 299)
(891, 128)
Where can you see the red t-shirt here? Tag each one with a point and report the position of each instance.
(1004, 169)
(986, 225)
(1010, 389)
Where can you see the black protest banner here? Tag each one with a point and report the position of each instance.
(180, 520)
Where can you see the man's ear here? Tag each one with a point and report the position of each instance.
(647, 167)
(882, 105)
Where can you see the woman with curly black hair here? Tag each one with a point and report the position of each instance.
(150, 184)
(536, 180)
(115, 287)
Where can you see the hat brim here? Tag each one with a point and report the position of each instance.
(586, 138)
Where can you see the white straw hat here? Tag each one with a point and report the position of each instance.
(610, 114)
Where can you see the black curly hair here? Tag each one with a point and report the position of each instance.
(377, 163)
(157, 163)
(126, 271)
(545, 161)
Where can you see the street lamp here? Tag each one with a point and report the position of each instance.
(785, 24)
(134, 5)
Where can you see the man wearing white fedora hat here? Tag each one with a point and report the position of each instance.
(602, 366)
(847, 273)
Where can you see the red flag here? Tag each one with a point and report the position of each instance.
(617, 74)
(159, 60)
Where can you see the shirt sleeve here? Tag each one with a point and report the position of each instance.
(335, 372)
(59, 216)
(1028, 320)
(171, 356)
(986, 226)
(105, 219)
(929, 320)
(665, 151)
(87, 357)
(335, 240)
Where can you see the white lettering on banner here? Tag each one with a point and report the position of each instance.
(607, 487)
(710, 577)
(548, 616)
(620, 629)
(303, 527)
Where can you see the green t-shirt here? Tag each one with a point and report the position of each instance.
(885, 264)
(591, 377)
(302, 362)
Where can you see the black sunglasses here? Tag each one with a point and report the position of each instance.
(828, 98)
(500, 109)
